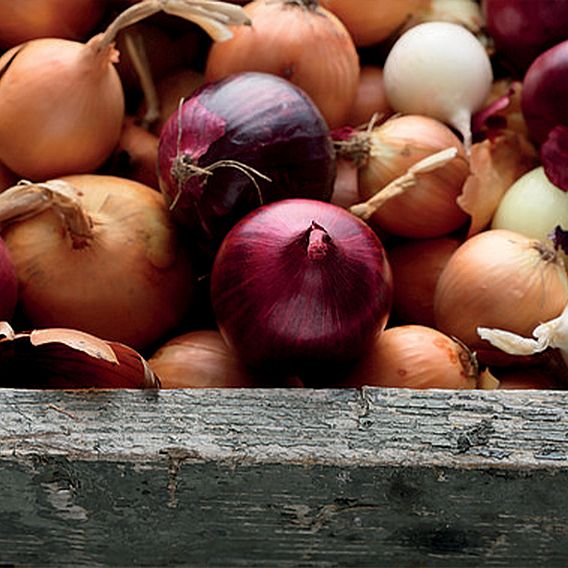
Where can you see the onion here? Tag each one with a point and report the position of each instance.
(370, 98)
(7, 177)
(8, 283)
(532, 206)
(535, 377)
(499, 279)
(62, 102)
(369, 21)
(299, 41)
(136, 154)
(441, 70)
(545, 90)
(23, 20)
(387, 152)
(98, 254)
(67, 358)
(416, 266)
(301, 287)
(199, 359)
(418, 357)
(249, 139)
(523, 29)
(346, 188)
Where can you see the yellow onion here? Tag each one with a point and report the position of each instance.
(23, 20)
(99, 254)
(499, 279)
(199, 359)
(370, 99)
(416, 266)
(415, 356)
(373, 21)
(70, 359)
(387, 152)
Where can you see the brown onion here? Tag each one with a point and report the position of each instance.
(370, 99)
(199, 359)
(23, 20)
(300, 42)
(499, 279)
(386, 152)
(415, 356)
(98, 254)
(416, 267)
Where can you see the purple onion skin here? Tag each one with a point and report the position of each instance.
(301, 287)
(545, 92)
(253, 118)
(8, 284)
(523, 29)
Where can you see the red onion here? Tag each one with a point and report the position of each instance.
(545, 92)
(248, 121)
(8, 283)
(523, 29)
(301, 286)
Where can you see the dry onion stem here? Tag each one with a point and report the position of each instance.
(403, 183)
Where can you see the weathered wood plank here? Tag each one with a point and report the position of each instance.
(284, 478)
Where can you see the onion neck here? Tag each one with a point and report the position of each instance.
(318, 243)
(355, 149)
(27, 200)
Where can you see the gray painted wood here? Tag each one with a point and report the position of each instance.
(284, 478)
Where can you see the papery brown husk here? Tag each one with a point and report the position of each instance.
(55, 358)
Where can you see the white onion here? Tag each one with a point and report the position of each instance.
(441, 70)
(532, 206)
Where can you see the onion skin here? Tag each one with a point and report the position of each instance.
(414, 356)
(305, 45)
(301, 287)
(199, 359)
(24, 20)
(255, 119)
(545, 91)
(416, 266)
(498, 279)
(68, 117)
(60, 358)
(130, 282)
(8, 283)
(523, 29)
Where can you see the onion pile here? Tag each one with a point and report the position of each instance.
(284, 193)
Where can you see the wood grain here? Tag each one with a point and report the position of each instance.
(287, 477)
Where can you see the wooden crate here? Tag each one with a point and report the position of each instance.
(289, 478)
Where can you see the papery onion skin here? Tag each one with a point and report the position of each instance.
(499, 279)
(50, 128)
(414, 356)
(301, 286)
(199, 359)
(306, 45)
(429, 209)
(23, 20)
(132, 281)
(523, 29)
(8, 283)
(255, 119)
(545, 91)
(416, 266)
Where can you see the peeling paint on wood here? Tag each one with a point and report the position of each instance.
(284, 478)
